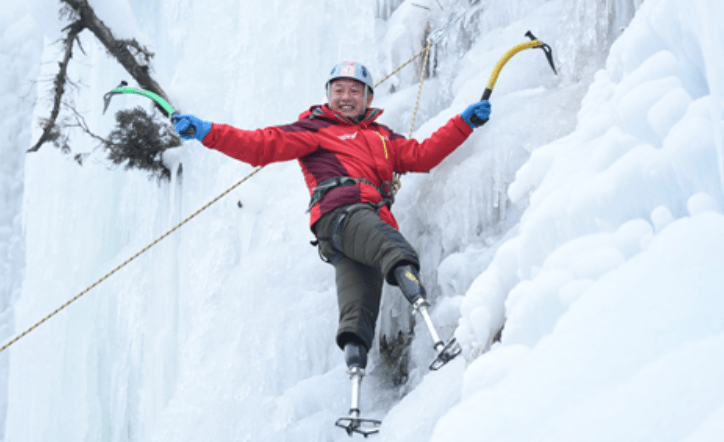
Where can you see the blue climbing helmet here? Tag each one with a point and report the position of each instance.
(353, 70)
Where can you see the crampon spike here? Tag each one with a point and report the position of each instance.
(447, 353)
(353, 424)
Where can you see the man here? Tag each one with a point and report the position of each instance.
(348, 161)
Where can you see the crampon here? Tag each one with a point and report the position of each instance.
(354, 424)
(445, 353)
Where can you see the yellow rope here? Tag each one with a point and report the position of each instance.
(402, 66)
(396, 186)
(76, 297)
(396, 183)
(419, 88)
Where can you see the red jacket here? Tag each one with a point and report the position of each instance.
(328, 145)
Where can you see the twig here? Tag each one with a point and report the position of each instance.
(60, 79)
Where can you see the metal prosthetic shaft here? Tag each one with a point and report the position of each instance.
(356, 358)
(414, 292)
(446, 352)
(356, 374)
(421, 306)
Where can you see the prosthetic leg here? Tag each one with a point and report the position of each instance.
(412, 289)
(356, 357)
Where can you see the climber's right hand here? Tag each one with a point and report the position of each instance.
(477, 114)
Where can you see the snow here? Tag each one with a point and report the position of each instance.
(573, 245)
(638, 349)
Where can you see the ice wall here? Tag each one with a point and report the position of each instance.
(642, 116)
(621, 238)
(20, 48)
(590, 28)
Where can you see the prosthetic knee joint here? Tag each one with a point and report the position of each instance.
(355, 355)
(409, 283)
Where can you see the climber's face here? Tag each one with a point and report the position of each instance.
(347, 97)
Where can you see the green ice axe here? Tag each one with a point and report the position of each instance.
(124, 89)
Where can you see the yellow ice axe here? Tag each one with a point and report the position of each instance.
(534, 43)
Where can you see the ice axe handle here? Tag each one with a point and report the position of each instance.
(188, 132)
(477, 120)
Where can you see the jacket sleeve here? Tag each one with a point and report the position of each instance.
(262, 146)
(414, 156)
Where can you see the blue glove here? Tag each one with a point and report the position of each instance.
(477, 114)
(190, 127)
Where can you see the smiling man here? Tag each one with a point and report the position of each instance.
(350, 97)
(348, 161)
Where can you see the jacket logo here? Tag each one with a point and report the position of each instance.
(348, 136)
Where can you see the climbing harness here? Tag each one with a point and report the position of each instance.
(385, 190)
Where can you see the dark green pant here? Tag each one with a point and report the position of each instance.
(364, 251)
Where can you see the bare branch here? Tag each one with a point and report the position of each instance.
(134, 57)
(59, 86)
(119, 49)
(80, 45)
(81, 123)
(145, 54)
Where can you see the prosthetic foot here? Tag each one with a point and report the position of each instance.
(356, 357)
(407, 279)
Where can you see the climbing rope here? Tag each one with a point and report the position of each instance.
(414, 57)
(396, 186)
(396, 183)
(108, 275)
(419, 88)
